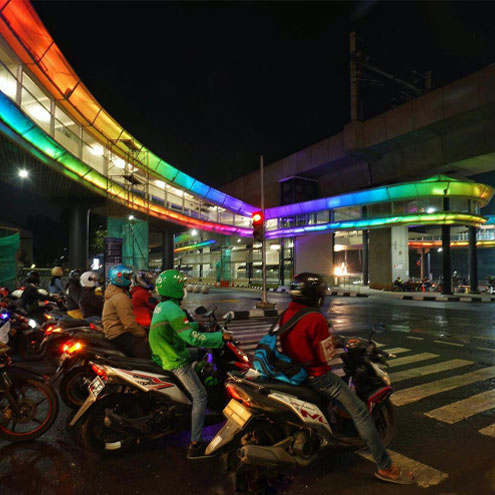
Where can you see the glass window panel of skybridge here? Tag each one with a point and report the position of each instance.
(347, 213)
(67, 132)
(8, 83)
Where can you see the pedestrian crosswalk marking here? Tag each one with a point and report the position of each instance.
(448, 343)
(419, 392)
(428, 370)
(489, 430)
(424, 475)
(412, 359)
(397, 350)
(462, 409)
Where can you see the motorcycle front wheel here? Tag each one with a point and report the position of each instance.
(97, 436)
(31, 410)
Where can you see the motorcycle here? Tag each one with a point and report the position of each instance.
(145, 401)
(271, 425)
(28, 405)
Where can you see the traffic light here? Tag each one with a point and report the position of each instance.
(258, 226)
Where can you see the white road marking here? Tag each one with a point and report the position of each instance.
(485, 349)
(419, 392)
(428, 370)
(462, 409)
(396, 350)
(412, 359)
(415, 338)
(448, 343)
(489, 431)
(425, 475)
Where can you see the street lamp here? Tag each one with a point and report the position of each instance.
(194, 232)
(131, 217)
(23, 173)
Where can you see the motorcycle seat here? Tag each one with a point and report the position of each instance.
(140, 364)
(73, 323)
(107, 350)
(302, 392)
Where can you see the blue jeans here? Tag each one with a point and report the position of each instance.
(191, 381)
(336, 389)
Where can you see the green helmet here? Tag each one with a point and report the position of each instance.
(170, 283)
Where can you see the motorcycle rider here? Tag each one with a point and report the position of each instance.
(142, 301)
(119, 324)
(91, 304)
(170, 331)
(55, 286)
(310, 341)
(31, 295)
(74, 294)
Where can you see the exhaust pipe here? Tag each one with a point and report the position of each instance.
(271, 456)
(124, 425)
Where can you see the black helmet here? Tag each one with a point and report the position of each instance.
(33, 277)
(308, 289)
(75, 274)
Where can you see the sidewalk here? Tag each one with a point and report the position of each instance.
(418, 296)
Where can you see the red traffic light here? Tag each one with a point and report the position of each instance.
(257, 218)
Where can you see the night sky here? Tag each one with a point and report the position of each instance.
(210, 86)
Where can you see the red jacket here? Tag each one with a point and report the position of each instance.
(302, 341)
(142, 307)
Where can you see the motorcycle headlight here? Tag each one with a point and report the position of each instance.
(32, 324)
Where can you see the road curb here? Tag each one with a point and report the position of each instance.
(445, 298)
(346, 293)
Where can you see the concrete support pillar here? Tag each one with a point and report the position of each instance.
(473, 260)
(78, 236)
(249, 263)
(313, 253)
(446, 263)
(365, 258)
(388, 256)
(422, 263)
(167, 250)
(281, 263)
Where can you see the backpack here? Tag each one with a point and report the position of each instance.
(271, 363)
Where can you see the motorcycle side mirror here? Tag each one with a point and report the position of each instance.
(200, 310)
(377, 328)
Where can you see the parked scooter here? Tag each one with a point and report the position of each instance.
(272, 425)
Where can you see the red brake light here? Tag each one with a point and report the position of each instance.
(49, 329)
(233, 392)
(92, 326)
(70, 348)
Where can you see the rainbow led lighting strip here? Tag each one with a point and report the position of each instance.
(76, 169)
(439, 186)
(447, 218)
(198, 245)
(455, 244)
(23, 30)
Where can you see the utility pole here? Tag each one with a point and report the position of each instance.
(264, 303)
(354, 82)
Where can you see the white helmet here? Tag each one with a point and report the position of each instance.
(88, 279)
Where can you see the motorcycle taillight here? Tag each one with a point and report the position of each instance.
(100, 371)
(238, 394)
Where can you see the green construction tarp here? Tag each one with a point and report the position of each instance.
(10, 241)
(134, 235)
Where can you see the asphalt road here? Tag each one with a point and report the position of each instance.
(444, 381)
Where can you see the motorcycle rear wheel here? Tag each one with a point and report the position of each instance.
(97, 437)
(250, 479)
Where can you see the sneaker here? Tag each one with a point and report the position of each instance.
(197, 450)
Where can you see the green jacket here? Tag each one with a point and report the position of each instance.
(170, 330)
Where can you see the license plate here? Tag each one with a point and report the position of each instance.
(237, 413)
(96, 386)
